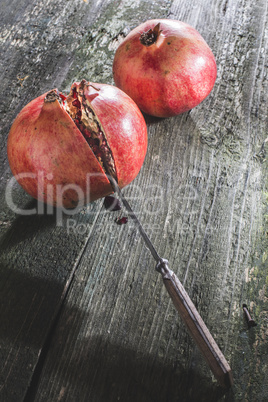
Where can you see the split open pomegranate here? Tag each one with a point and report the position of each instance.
(63, 150)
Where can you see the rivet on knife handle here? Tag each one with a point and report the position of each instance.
(196, 326)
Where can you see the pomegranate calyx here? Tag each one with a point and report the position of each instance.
(52, 96)
(150, 37)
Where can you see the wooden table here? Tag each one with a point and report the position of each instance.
(84, 315)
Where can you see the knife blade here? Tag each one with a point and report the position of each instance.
(184, 305)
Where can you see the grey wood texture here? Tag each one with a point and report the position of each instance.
(84, 315)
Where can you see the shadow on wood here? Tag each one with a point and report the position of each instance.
(26, 226)
(112, 372)
(27, 305)
(105, 370)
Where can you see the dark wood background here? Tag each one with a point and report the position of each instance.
(84, 316)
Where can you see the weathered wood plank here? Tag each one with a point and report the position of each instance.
(200, 195)
(38, 258)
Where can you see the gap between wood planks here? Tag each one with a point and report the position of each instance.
(33, 386)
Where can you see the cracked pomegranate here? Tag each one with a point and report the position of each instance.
(165, 66)
(63, 149)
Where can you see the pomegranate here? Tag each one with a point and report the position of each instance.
(62, 150)
(165, 66)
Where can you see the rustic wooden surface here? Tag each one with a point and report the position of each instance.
(84, 316)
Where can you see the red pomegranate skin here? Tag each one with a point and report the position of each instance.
(125, 129)
(51, 159)
(169, 77)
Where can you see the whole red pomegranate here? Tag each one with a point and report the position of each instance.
(62, 150)
(165, 66)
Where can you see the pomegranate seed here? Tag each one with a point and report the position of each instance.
(63, 97)
(112, 203)
(122, 221)
(74, 93)
(90, 141)
(76, 103)
(87, 133)
(95, 150)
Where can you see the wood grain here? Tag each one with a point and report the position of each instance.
(201, 195)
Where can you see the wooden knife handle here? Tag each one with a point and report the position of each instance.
(196, 326)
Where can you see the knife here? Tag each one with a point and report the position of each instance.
(184, 305)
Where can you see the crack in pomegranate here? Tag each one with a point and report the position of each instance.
(83, 115)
